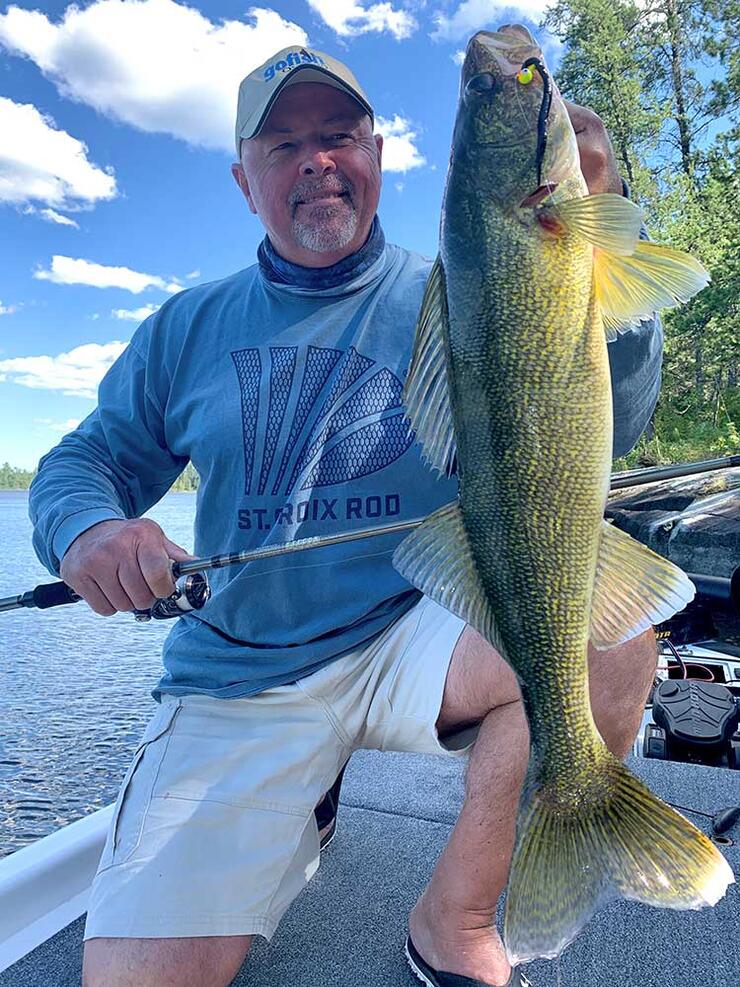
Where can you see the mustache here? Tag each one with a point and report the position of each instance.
(310, 188)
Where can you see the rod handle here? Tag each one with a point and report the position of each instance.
(49, 595)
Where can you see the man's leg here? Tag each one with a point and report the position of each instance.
(209, 961)
(452, 924)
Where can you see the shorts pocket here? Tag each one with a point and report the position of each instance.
(135, 792)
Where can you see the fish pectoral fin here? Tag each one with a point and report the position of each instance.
(634, 589)
(633, 278)
(615, 839)
(632, 288)
(436, 558)
(426, 392)
(607, 220)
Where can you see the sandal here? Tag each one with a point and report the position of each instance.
(438, 978)
(326, 811)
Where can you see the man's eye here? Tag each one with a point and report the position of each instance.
(340, 137)
(285, 146)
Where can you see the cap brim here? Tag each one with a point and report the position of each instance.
(315, 74)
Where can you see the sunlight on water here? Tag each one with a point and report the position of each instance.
(74, 688)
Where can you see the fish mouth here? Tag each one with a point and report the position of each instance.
(501, 51)
(540, 193)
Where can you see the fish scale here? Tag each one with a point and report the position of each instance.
(509, 384)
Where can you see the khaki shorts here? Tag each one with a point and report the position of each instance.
(213, 832)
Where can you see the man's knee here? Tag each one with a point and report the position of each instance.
(478, 680)
(208, 961)
(619, 682)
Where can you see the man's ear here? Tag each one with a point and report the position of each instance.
(379, 145)
(237, 170)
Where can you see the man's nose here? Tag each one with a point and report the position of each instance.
(317, 161)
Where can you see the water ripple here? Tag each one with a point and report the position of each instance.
(74, 689)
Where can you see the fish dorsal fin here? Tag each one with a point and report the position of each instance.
(608, 221)
(651, 278)
(426, 392)
(634, 589)
(436, 558)
(633, 278)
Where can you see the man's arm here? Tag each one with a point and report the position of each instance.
(113, 467)
(635, 356)
(635, 359)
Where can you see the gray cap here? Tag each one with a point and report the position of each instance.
(259, 90)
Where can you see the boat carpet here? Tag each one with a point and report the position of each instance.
(396, 813)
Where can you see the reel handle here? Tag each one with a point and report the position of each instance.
(191, 593)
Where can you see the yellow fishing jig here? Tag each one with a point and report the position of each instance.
(525, 75)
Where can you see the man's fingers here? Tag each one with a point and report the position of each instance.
(95, 598)
(135, 584)
(176, 552)
(115, 593)
(154, 563)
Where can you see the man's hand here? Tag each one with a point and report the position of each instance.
(121, 565)
(598, 161)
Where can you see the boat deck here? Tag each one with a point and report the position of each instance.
(396, 813)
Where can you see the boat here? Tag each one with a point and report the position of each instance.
(397, 810)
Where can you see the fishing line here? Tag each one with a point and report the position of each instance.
(544, 110)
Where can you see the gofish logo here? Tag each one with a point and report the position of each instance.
(291, 61)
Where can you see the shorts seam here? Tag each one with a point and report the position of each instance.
(263, 806)
(168, 731)
(334, 722)
(259, 925)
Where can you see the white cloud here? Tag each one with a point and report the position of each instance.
(56, 217)
(400, 153)
(76, 373)
(39, 163)
(64, 427)
(135, 314)
(157, 65)
(51, 216)
(458, 57)
(72, 270)
(349, 18)
(193, 274)
(475, 15)
(7, 309)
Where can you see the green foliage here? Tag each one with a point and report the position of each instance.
(187, 481)
(12, 478)
(664, 76)
(602, 68)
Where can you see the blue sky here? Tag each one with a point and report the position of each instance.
(116, 122)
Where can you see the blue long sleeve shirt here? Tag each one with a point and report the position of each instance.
(287, 400)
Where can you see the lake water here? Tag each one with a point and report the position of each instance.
(74, 687)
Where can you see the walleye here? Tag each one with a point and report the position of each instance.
(509, 380)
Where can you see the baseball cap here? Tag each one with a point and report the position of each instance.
(259, 90)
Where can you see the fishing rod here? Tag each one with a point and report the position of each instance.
(635, 478)
(192, 590)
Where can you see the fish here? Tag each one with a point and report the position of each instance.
(509, 387)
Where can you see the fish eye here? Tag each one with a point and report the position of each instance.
(482, 83)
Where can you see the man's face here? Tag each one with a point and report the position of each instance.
(312, 174)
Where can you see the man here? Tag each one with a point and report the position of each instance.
(282, 384)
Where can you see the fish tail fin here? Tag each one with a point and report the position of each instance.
(619, 839)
